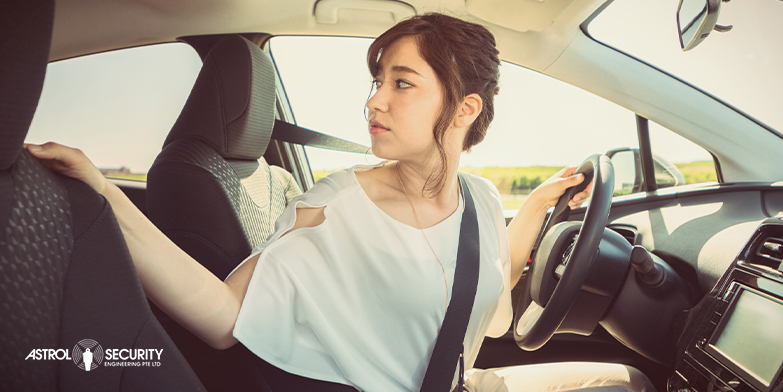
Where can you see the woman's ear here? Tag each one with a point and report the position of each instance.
(469, 109)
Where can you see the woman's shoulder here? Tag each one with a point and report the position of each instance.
(330, 187)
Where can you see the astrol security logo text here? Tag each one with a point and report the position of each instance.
(88, 355)
(141, 357)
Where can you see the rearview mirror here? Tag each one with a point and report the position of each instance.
(695, 21)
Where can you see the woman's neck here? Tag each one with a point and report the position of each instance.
(397, 190)
(413, 178)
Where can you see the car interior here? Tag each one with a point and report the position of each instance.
(684, 283)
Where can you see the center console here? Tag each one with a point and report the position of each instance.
(733, 340)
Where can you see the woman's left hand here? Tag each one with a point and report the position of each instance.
(550, 190)
(524, 228)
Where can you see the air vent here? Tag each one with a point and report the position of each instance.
(627, 231)
(766, 246)
(771, 249)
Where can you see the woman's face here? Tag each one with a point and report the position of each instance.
(405, 106)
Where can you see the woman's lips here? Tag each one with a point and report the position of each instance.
(376, 128)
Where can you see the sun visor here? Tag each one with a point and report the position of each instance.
(384, 12)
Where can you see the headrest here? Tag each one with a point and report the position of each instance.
(232, 104)
(25, 36)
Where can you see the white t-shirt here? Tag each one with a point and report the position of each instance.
(359, 299)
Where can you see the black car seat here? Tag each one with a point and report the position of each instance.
(210, 189)
(65, 271)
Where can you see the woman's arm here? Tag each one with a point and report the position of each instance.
(524, 228)
(173, 280)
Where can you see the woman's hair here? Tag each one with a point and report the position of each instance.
(464, 57)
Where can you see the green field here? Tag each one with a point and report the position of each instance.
(697, 172)
(318, 174)
(514, 180)
(130, 176)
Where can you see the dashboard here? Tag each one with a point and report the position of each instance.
(699, 232)
(733, 338)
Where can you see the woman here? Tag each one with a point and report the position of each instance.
(331, 300)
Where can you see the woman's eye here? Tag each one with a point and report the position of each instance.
(403, 84)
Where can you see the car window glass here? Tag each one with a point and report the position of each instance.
(541, 124)
(117, 106)
(327, 83)
(678, 161)
(741, 67)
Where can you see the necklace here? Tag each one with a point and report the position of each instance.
(418, 224)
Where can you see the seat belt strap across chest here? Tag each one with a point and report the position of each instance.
(449, 347)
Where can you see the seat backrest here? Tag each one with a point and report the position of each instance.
(67, 283)
(209, 190)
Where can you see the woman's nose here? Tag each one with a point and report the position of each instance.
(377, 100)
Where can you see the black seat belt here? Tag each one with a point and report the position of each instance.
(287, 132)
(449, 346)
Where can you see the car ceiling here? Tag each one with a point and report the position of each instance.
(542, 27)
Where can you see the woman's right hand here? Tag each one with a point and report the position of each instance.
(70, 162)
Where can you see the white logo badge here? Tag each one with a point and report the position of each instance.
(87, 354)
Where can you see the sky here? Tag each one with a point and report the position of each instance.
(119, 106)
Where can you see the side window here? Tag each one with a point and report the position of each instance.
(117, 106)
(541, 124)
(679, 161)
(327, 83)
(676, 161)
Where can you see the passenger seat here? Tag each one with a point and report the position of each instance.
(210, 189)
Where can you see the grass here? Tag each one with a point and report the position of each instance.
(697, 172)
(505, 178)
(129, 176)
(318, 174)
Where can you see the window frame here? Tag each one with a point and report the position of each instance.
(649, 184)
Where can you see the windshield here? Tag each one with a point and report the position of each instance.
(743, 67)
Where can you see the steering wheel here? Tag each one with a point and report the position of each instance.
(567, 252)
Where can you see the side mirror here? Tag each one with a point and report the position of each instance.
(627, 164)
(695, 21)
(627, 170)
